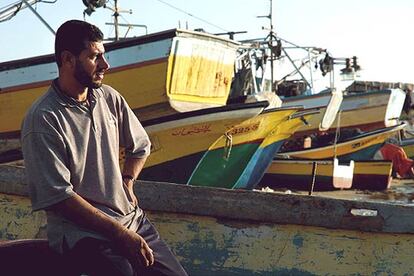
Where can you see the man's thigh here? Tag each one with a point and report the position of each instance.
(95, 257)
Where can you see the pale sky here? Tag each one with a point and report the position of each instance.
(379, 32)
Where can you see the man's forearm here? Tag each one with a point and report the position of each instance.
(133, 166)
(132, 245)
(81, 212)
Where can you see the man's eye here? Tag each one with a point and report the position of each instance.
(98, 56)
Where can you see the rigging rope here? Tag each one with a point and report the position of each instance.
(189, 14)
(9, 11)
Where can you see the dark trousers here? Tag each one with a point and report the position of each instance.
(95, 257)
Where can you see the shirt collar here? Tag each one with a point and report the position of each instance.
(67, 101)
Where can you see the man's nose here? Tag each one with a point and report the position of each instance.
(103, 63)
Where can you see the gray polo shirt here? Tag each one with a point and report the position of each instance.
(70, 148)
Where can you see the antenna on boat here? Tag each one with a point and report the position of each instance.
(272, 37)
(231, 34)
(92, 5)
(275, 45)
(116, 14)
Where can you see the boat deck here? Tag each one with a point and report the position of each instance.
(400, 192)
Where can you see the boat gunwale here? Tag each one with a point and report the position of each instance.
(204, 111)
(253, 206)
(347, 140)
(345, 95)
(323, 161)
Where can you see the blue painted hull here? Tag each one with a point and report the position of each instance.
(257, 166)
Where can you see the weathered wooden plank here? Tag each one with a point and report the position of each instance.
(255, 206)
(13, 180)
(276, 208)
(207, 245)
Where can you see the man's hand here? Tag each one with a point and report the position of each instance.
(132, 245)
(135, 248)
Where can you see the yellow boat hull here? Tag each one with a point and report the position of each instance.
(297, 174)
(362, 147)
(365, 119)
(172, 71)
(239, 158)
(194, 134)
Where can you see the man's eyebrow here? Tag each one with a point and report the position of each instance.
(97, 53)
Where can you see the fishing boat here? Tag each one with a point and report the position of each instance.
(180, 141)
(365, 110)
(298, 175)
(193, 150)
(237, 232)
(239, 159)
(158, 74)
(356, 147)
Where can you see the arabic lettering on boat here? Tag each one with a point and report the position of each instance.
(192, 130)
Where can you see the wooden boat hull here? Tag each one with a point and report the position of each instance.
(180, 154)
(158, 74)
(180, 141)
(263, 157)
(362, 147)
(222, 232)
(239, 159)
(366, 110)
(364, 119)
(297, 174)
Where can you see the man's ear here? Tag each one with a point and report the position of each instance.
(68, 59)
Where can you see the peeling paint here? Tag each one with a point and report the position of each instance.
(269, 249)
(17, 220)
(210, 246)
(297, 241)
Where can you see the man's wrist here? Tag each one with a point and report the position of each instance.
(127, 177)
(128, 180)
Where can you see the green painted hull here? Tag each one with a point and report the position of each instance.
(220, 168)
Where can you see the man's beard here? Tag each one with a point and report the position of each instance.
(84, 78)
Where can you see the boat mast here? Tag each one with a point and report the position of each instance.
(116, 23)
(271, 36)
(116, 14)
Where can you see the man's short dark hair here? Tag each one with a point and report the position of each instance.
(73, 36)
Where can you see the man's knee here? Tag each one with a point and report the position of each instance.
(97, 257)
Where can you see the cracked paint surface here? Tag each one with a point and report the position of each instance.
(210, 246)
(17, 221)
(206, 244)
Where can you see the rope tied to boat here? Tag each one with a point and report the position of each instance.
(228, 145)
(337, 132)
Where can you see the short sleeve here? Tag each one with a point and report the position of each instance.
(46, 169)
(133, 136)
